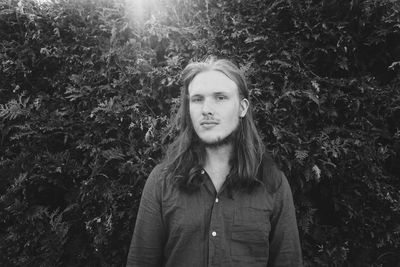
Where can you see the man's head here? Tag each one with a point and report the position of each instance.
(215, 110)
(214, 102)
(215, 106)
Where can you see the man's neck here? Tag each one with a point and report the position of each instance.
(218, 156)
(217, 159)
(217, 164)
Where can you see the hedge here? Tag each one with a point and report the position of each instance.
(88, 90)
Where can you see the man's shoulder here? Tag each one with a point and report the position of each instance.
(156, 179)
(158, 171)
(270, 174)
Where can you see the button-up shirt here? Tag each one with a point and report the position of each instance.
(209, 228)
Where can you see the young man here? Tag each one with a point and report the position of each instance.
(217, 199)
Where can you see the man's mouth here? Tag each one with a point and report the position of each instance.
(208, 123)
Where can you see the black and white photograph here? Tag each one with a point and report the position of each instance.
(200, 133)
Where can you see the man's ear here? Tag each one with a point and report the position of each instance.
(244, 106)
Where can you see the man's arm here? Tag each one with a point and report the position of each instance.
(148, 237)
(285, 247)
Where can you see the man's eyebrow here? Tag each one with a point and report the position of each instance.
(213, 93)
(195, 95)
(220, 92)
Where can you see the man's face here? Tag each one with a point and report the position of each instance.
(215, 106)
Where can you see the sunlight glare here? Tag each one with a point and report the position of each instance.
(138, 9)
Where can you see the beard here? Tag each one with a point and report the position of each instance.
(220, 142)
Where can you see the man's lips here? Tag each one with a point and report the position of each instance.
(207, 123)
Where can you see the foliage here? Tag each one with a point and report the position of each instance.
(87, 89)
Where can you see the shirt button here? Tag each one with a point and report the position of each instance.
(214, 233)
(216, 200)
(202, 172)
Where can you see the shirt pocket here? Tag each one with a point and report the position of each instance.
(249, 235)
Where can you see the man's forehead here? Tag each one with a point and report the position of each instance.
(212, 82)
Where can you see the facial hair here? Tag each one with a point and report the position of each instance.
(220, 142)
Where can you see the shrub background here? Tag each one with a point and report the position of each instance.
(87, 90)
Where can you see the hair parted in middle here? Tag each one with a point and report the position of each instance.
(186, 155)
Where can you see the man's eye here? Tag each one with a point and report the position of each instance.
(221, 97)
(196, 99)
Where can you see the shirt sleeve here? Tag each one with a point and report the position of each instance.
(146, 247)
(285, 249)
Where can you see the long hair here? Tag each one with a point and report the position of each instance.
(186, 155)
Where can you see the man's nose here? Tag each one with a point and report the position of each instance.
(207, 108)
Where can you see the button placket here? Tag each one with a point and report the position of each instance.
(216, 232)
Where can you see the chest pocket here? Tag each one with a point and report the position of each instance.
(249, 234)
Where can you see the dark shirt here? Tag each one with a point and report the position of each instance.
(206, 228)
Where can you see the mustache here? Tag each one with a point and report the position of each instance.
(208, 119)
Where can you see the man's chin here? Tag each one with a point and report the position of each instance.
(218, 142)
(213, 143)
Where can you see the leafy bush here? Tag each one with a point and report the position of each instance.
(87, 89)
